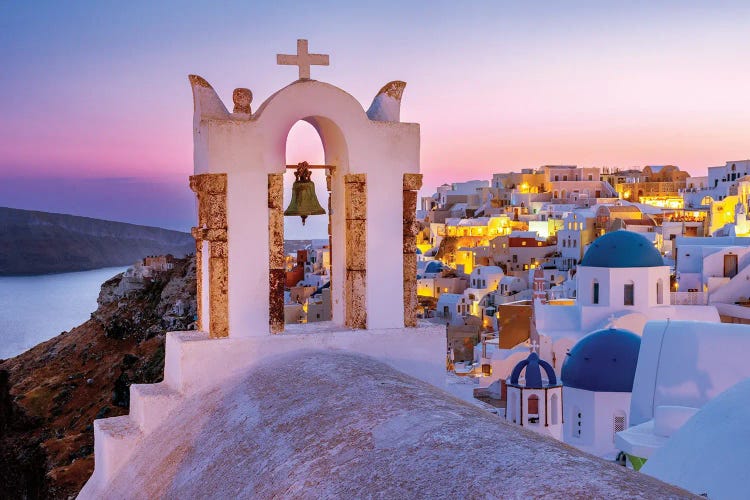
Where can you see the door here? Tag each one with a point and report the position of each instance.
(730, 265)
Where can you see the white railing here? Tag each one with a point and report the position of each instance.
(688, 298)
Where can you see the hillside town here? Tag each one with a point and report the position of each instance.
(562, 288)
(559, 286)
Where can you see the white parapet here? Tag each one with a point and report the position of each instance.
(195, 362)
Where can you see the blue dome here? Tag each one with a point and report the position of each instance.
(622, 249)
(603, 361)
(533, 375)
(434, 267)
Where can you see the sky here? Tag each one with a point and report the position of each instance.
(97, 110)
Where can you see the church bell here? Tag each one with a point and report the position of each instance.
(304, 200)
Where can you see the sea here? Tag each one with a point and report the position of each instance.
(36, 308)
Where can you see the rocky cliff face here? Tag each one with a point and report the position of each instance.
(50, 395)
(39, 242)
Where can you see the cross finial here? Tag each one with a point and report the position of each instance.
(302, 59)
(534, 347)
(611, 320)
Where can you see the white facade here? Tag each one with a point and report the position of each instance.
(593, 418)
(542, 415)
(717, 266)
(486, 277)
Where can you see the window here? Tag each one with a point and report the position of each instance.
(532, 409)
(595, 292)
(659, 292)
(629, 294)
(730, 265)
(577, 421)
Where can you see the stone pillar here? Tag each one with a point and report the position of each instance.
(198, 236)
(329, 183)
(356, 250)
(276, 264)
(211, 190)
(412, 183)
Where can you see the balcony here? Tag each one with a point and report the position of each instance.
(688, 298)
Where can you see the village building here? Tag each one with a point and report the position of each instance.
(660, 186)
(520, 251)
(597, 378)
(722, 182)
(577, 233)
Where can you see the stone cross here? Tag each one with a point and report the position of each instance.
(302, 60)
(534, 347)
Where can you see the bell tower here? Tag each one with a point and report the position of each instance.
(371, 160)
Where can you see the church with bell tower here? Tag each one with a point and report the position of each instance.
(239, 157)
(370, 156)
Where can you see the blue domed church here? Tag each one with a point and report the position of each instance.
(621, 271)
(597, 377)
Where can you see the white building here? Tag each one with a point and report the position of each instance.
(597, 378)
(682, 366)
(713, 269)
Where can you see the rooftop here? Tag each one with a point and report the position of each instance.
(339, 425)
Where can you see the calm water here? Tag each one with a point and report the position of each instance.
(36, 308)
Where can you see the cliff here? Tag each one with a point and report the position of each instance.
(51, 394)
(40, 242)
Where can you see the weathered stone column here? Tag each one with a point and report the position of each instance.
(211, 190)
(355, 199)
(276, 264)
(329, 183)
(198, 236)
(412, 183)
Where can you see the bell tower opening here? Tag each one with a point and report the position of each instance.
(307, 238)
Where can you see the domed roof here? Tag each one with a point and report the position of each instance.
(533, 375)
(603, 361)
(622, 249)
(434, 267)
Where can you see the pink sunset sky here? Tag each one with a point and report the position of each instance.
(97, 110)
